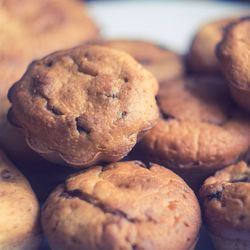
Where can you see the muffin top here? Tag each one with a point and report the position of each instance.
(86, 104)
(226, 201)
(201, 57)
(134, 207)
(53, 24)
(234, 53)
(163, 63)
(19, 208)
(199, 125)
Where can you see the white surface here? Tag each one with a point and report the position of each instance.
(170, 23)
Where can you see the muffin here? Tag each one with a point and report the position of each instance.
(226, 206)
(19, 210)
(84, 105)
(201, 56)
(43, 175)
(234, 56)
(124, 205)
(14, 56)
(163, 63)
(53, 24)
(200, 130)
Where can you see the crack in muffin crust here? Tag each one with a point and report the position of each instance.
(129, 201)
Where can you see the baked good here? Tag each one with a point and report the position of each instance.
(43, 175)
(84, 105)
(200, 131)
(19, 210)
(52, 24)
(226, 203)
(234, 56)
(163, 63)
(201, 56)
(125, 205)
(13, 55)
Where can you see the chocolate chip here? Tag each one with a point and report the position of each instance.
(49, 64)
(54, 110)
(167, 116)
(80, 127)
(124, 113)
(114, 96)
(6, 174)
(125, 79)
(215, 195)
(241, 179)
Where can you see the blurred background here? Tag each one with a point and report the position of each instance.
(168, 22)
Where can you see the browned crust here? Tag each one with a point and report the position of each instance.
(134, 206)
(200, 129)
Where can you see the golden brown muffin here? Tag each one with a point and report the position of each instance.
(234, 56)
(163, 63)
(201, 56)
(226, 204)
(84, 105)
(19, 210)
(200, 130)
(124, 205)
(53, 24)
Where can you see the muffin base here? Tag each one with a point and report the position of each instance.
(241, 96)
(221, 243)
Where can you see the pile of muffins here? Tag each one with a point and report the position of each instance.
(126, 144)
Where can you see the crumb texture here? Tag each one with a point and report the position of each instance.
(122, 206)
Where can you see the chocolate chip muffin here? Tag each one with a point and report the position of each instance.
(53, 24)
(19, 210)
(234, 56)
(124, 205)
(163, 63)
(84, 105)
(201, 56)
(200, 130)
(226, 204)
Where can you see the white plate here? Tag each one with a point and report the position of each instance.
(170, 23)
